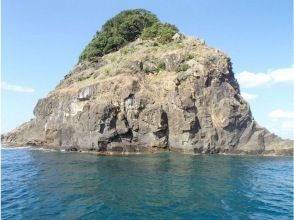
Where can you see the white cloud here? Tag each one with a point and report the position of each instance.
(283, 75)
(250, 79)
(281, 114)
(288, 125)
(283, 122)
(15, 88)
(248, 96)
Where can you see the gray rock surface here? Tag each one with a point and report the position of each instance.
(138, 100)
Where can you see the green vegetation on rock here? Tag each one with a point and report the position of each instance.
(126, 27)
(161, 65)
(163, 33)
(189, 57)
(182, 67)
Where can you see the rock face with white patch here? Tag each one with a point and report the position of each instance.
(119, 108)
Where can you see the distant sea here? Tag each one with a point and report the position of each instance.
(38, 184)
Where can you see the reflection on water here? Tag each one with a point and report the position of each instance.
(38, 185)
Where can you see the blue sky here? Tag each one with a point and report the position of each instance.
(41, 42)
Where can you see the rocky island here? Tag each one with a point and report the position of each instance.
(142, 86)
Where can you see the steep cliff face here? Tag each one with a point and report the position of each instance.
(181, 96)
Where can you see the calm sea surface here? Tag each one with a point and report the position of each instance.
(55, 185)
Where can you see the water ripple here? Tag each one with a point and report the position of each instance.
(55, 185)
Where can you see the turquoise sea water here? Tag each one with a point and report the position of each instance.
(55, 185)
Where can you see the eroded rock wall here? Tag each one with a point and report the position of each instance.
(138, 107)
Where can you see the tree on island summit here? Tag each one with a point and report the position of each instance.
(126, 27)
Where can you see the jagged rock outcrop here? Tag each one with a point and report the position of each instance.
(181, 96)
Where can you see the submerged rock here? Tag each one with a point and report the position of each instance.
(138, 100)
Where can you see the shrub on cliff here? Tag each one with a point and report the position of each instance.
(163, 33)
(126, 27)
(182, 67)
